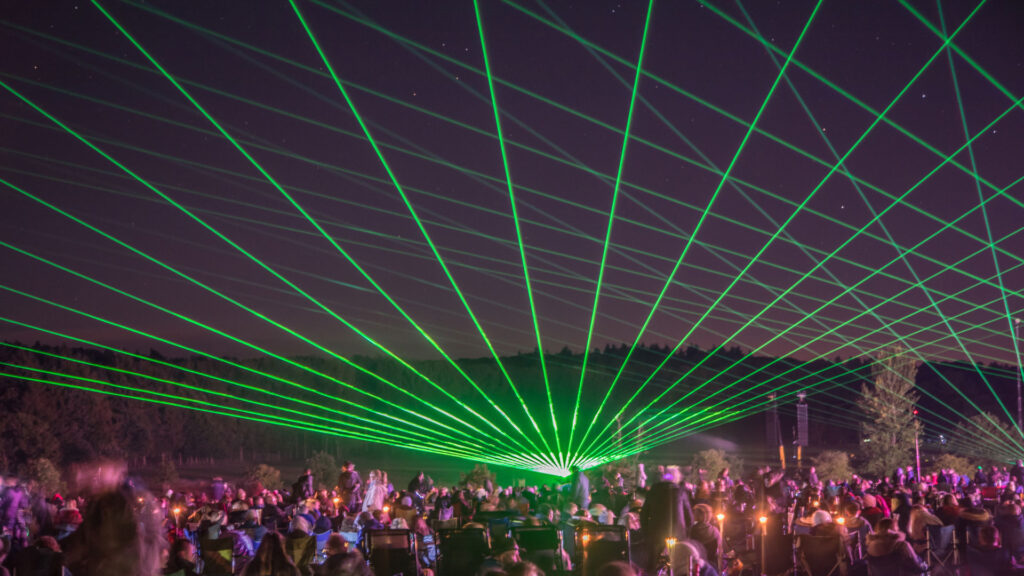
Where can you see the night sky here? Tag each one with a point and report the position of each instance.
(414, 71)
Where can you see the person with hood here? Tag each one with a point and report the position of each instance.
(705, 532)
(920, 518)
(889, 553)
(972, 519)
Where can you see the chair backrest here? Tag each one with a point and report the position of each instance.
(541, 545)
(39, 562)
(218, 556)
(820, 555)
(597, 545)
(537, 537)
(321, 542)
(256, 535)
(940, 544)
(995, 562)
(888, 565)
(392, 552)
(460, 552)
(302, 551)
(855, 543)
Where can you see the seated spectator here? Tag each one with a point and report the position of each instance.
(854, 522)
(949, 510)
(1010, 524)
(888, 546)
(920, 519)
(341, 561)
(300, 527)
(617, 569)
(181, 558)
(5, 547)
(44, 557)
(271, 559)
(986, 557)
(272, 513)
(369, 521)
(687, 556)
(69, 515)
(871, 512)
(504, 555)
(405, 510)
(524, 569)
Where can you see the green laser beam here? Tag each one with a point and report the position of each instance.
(611, 221)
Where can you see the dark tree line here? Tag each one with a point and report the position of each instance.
(69, 425)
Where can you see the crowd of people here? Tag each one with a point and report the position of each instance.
(769, 522)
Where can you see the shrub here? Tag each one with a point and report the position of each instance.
(959, 464)
(325, 469)
(478, 477)
(833, 465)
(166, 473)
(44, 473)
(713, 461)
(264, 476)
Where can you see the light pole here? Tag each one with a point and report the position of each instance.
(917, 444)
(1016, 346)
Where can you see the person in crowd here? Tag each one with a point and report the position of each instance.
(1010, 524)
(376, 491)
(181, 558)
(666, 513)
(617, 569)
(304, 488)
(687, 558)
(271, 559)
(902, 510)
(5, 547)
(920, 518)
(871, 512)
(525, 569)
(987, 557)
(889, 545)
(504, 555)
(580, 489)
(949, 510)
(350, 486)
(341, 561)
(705, 532)
(119, 534)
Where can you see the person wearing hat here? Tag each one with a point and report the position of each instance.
(350, 486)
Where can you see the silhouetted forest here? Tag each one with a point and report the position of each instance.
(69, 425)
